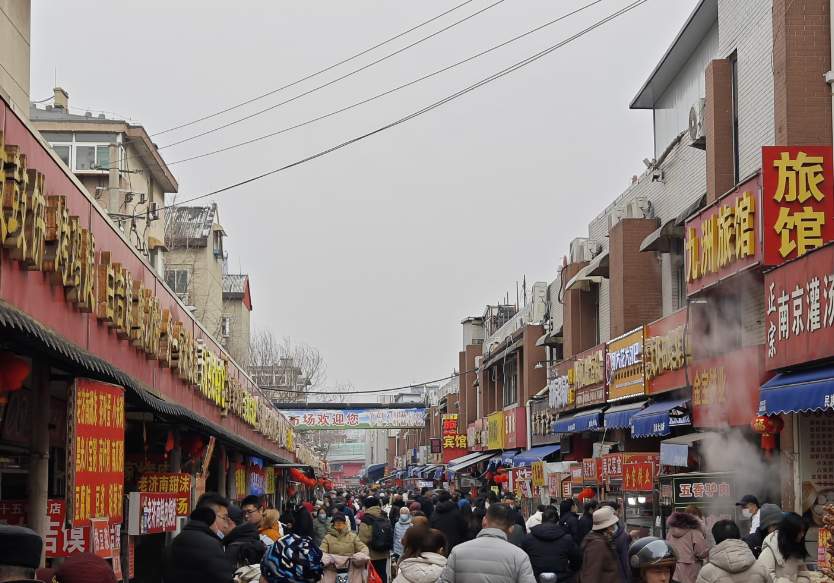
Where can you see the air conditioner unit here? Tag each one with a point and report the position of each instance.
(153, 211)
(697, 131)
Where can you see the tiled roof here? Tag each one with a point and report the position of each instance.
(188, 225)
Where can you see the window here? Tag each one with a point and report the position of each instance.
(678, 274)
(92, 150)
(63, 153)
(177, 280)
(225, 326)
(510, 382)
(218, 244)
(734, 74)
(85, 157)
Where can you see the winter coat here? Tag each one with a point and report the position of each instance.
(196, 554)
(755, 540)
(272, 534)
(621, 543)
(243, 546)
(688, 539)
(448, 519)
(779, 569)
(731, 561)
(534, 520)
(569, 521)
(248, 574)
(599, 559)
(425, 505)
(320, 530)
(423, 569)
(489, 558)
(399, 532)
(357, 566)
(394, 513)
(584, 525)
(366, 530)
(518, 518)
(344, 544)
(552, 550)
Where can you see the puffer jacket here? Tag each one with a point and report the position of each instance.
(320, 530)
(196, 554)
(243, 546)
(599, 559)
(732, 561)
(423, 569)
(366, 529)
(400, 529)
(779, 569)
(552, 550)
(687, 537)
(448, 519)
(344, 544)
(489, 558)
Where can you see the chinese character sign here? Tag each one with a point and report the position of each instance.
(723, 239)
(168, 483)
(152, 513)
(798, 201)
(725, 388)
(702, 490)
(307, 419)
(624, 368)
(538, 474)
(95, 452)
(640, 471)
(665, 351)
(453, 442)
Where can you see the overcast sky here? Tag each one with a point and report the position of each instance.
(376, 252)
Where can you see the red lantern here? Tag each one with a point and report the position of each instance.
(586, 494)
(13, 371)
(768, 427)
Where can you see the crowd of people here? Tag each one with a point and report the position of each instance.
(434, 536)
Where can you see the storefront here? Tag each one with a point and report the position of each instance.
(113, 395)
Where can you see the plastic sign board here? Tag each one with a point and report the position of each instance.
(152, 513)
(624, 368)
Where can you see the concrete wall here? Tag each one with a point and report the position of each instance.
(15, 41)
(239, 330)
(206, 283)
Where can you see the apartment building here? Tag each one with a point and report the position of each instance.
(235, 324)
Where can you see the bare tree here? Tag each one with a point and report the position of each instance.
(286, 370)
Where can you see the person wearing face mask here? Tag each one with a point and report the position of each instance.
(687, 537)
(402, 525)
(599, 554)
(196, 553)
(749, 505)
(784, 554)
(341, 540)
(320, 526)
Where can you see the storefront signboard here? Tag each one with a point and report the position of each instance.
(797, 201)
(591, 470)
(436, 444)
(537, 470)
(640, 470)
(561, 386)
(577, 475)
(799, 310)
(453, 441)
(612, 467)
(515, 427)
(328, 419)
(102, 542)
(664, 354)
(495, 430)
(554, 484)
(566, 488)
(725, 389)
(724, 238)
(151, 513)
(624, 370)
(589, 376)
(95, 452)
(168, 483)
(702, 489)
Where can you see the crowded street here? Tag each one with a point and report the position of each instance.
(495, 291)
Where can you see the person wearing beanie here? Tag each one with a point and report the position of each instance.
(770, 516)
(599, 553)
(20, 553)
(196, 553)
(341, 540)
(375, 518)
(447, 518)
(85, 568)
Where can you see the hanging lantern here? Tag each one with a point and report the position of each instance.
(13, 371)
(768, 427)
(586, 494)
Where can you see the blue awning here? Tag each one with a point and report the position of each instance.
(472, 459)
(657, 420)
(619, 417)
(801, 391)
(534, 454)
(375, 471)
(585, 421)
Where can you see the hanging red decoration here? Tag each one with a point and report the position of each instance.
(13, 371)
(586, 494)
(169, 444)
(192, 445)
(501, 478)
(768, 427)
(291, 491)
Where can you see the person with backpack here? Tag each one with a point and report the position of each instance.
(376, 532)
(294, 558)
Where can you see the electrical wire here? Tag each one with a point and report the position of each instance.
(329, 83)
(385, 93)
(317, 73)
(435, 105)
(366, 391)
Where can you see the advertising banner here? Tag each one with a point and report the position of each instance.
(725, 389)
(624, 369)
(589, 377)
(577, 474)
(436, 444)
(168, 483)
(256, 476)
(612, 467)
(308, 419)
(640, 470)
(591, 470)
(102, 543)
(454, 443)
(561, 386)
(537, 470)
(515, 427)
(151, 513)
(495, 430)
(797, 201)
(664, 353)
(725, 238)
(269, 477)
(703, 490)
(95, 452)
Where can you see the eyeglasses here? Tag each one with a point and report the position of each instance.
(250, 512)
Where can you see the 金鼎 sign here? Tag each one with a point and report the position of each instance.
(798, 201)
(624, 366)
(723, 239)
(95, 452)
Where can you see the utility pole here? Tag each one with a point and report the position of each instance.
(113, 180)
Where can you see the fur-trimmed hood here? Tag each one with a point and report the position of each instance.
(684, 520)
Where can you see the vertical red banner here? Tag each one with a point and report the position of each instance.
(798, 201)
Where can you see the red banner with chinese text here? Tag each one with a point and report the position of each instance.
(453, 442)
(95, 452)
(168, 483)
(640, 472)
(591, 470)
(797, 200)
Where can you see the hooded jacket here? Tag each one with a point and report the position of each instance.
(731, 561)
(342, 543)
(534, 520)
(447, 518)
(243, 546)
(778, 568)
(599, 559)
(366, 529)
(196, 554)
(320, 530)
(400, 528)
(489, 558)
(423, 569)
(552, 550)
(686, 536)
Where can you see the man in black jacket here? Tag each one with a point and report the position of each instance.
(568, 519)
(196, 553)
(243, 545)
(586, 521)
(425, 501)
(448, 519)
(552, 549)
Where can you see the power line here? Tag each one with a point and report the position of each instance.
(385, 93)
(331, 82)
(420, 112)
(366, 391)
(317, 73)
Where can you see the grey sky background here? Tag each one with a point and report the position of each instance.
(375, 253)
